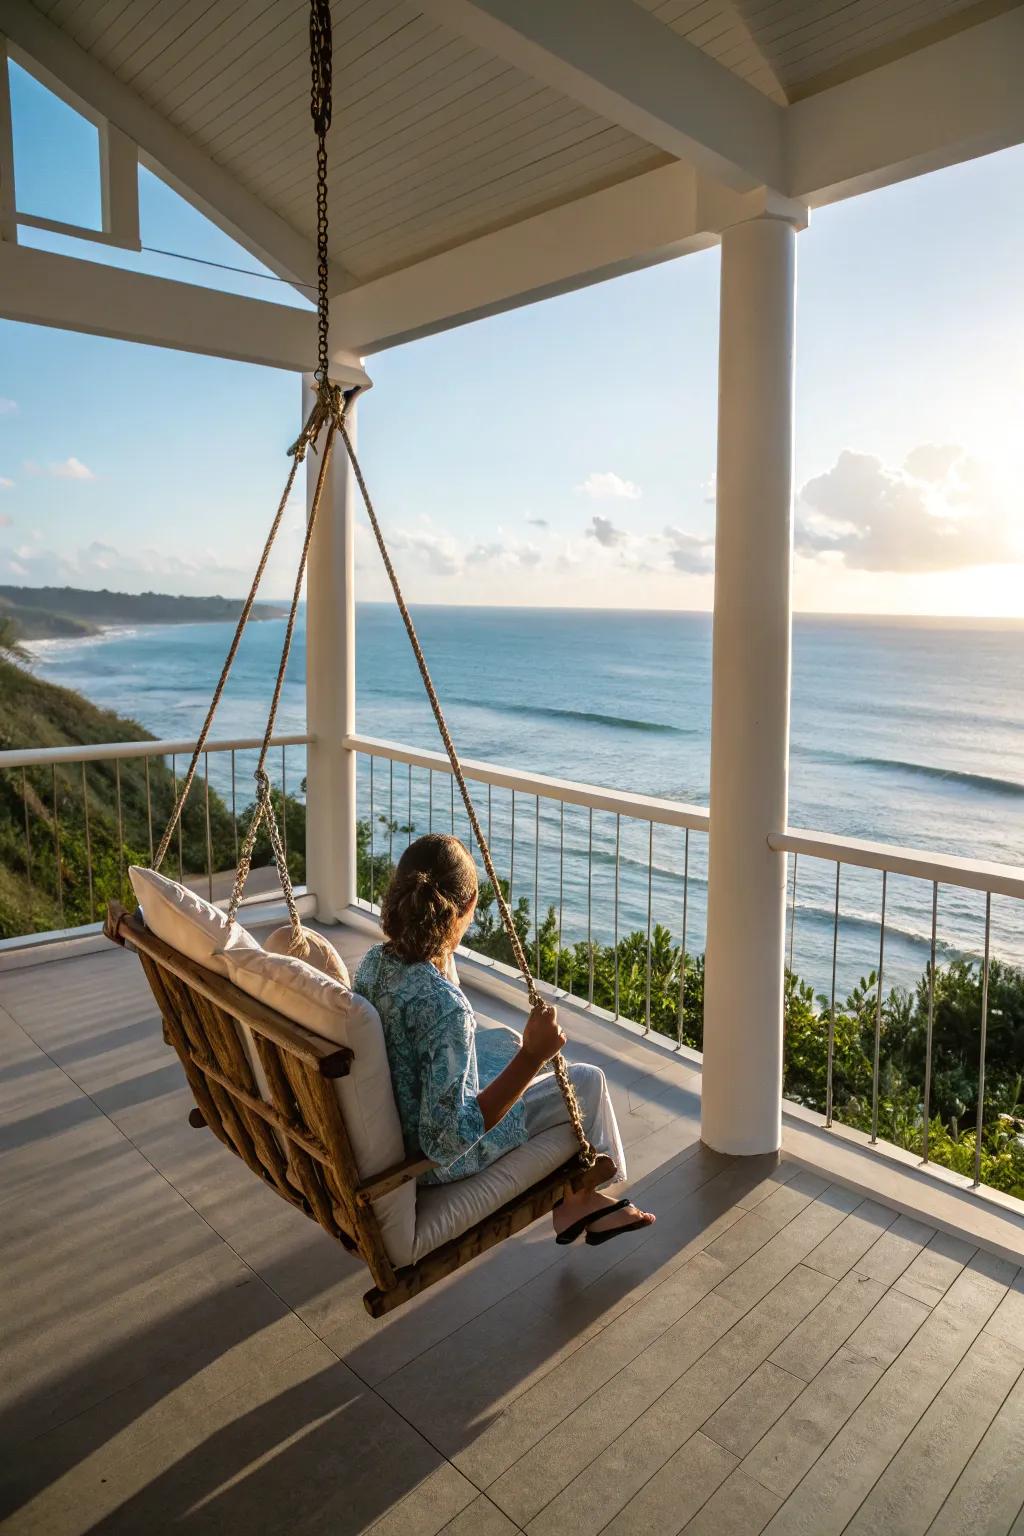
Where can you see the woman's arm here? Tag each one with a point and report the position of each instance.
(542, 1039)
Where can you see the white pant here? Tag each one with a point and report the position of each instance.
(545, 1108)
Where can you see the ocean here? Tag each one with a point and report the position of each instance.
(903, 731)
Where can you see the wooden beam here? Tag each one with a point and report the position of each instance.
(75, 76)
(119, 184)
(45, 289)
(616, 59)
(8, 222)
(650, 218)
(952, 101)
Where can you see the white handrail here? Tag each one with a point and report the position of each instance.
(943, 868)
(34, 757)
(669, 813)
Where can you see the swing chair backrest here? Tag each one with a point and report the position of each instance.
(276, 1103)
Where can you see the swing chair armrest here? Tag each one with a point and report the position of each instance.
(116, 915)
(369, 1190)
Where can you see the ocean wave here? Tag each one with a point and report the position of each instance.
(581, 716)
(1012, 788)
(62, 644)
(540, 711)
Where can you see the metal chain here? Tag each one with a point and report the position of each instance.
(320, 99)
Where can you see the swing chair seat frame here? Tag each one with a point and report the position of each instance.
(298, 1143)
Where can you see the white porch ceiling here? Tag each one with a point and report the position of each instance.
(434, 141)
(486, 153)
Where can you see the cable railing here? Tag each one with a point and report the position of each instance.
(904, 1009)
(914, 1016)
(601, 881)
(75, 817)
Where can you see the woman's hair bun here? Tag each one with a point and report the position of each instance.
(433, 884)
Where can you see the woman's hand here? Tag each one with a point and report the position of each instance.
(542, 1037)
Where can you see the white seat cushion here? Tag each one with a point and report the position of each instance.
(182, 919)
(444, 1211)
(318, 1002)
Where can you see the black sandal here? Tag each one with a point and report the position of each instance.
(594, 1239)
(572, 1233)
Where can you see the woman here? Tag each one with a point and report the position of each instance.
(467, 1095)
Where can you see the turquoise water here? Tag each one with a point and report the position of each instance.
(902, 731)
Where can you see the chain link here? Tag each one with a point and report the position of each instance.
(320, 102)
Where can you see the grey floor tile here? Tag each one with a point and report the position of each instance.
(915, 1483)
(676, 1492)
(753, 1408)
(989, 1492)
(740, 1507)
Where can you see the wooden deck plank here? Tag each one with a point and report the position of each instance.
(792, 1446)
(913, 1486)
(810, 1347)
(608, 1481)
(989, 1492)
(677, 1492)
(746, 1417)
(740, 1507)
(842, 1477)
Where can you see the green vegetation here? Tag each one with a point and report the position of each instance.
(56, 823)
(902, 1038)
(39, 613)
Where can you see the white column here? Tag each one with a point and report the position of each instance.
(330, 681)
(741, 1105)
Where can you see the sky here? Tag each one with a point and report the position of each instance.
(559, 455)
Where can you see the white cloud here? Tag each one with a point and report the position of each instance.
(934, 513)
(690, 553)
(605, 532)
(67, 469)
(498, 553)
(437, 550)
(604, 485)
(72, 469)
(104, 565)
(5, 521)
(710, 489)
(8, 407)
(5, 484)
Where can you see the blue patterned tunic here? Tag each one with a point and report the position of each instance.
(439, 1061)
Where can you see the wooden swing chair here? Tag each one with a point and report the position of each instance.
(293, 1133)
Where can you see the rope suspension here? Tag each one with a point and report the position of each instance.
(329, 412)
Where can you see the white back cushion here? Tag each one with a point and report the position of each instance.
(308, 997)
(186, 922)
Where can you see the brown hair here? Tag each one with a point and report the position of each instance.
(433, 884)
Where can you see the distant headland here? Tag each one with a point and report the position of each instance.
(53, 613)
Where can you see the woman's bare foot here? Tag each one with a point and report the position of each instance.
(587, 1202)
